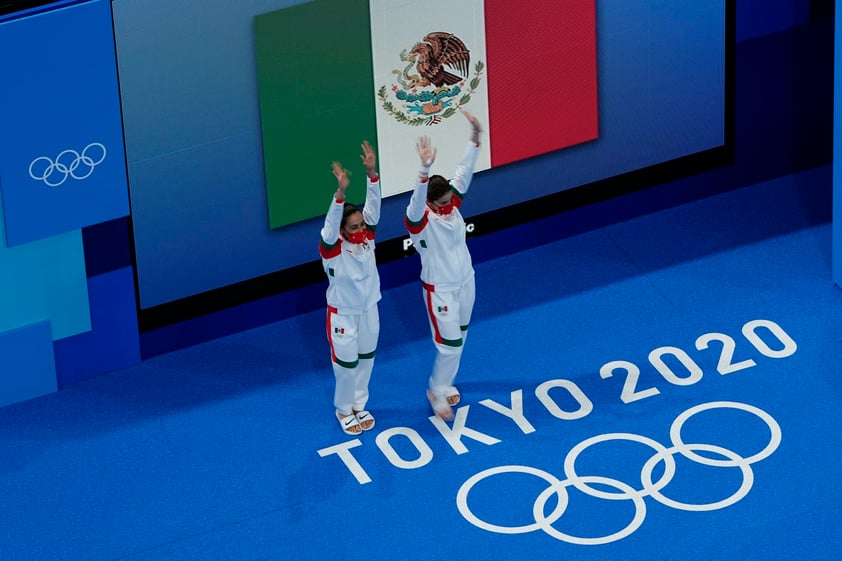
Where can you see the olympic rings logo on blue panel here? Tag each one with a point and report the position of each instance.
(544, 521)
(69, 163)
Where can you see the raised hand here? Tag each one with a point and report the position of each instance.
(341, 175)
(426, 151)
(476, 128)
(368, 158)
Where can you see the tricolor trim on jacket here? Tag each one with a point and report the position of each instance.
(328, 251)
(415, 227)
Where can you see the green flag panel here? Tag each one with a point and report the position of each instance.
(317, 103)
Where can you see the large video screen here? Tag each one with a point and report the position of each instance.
(233, 112)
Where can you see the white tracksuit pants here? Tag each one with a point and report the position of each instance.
(449, 313)
(353, 342)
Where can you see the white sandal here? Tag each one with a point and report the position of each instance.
(363, 417)
(348, 422)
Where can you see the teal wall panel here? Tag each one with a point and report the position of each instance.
(44, 281)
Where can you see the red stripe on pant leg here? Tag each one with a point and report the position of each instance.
(542, 76)
(428, 290)
(330, 310)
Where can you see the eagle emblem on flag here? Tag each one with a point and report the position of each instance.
(435, 81)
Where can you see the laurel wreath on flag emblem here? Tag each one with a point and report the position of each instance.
(432, 85)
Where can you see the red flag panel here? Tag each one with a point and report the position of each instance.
(542, 76)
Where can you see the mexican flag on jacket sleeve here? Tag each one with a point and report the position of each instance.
(332, 73)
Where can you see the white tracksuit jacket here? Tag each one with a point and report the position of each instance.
(354, 284)
(440, 239)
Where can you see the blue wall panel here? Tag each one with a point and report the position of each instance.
(27, 368)
(113, 341)
(63, 162)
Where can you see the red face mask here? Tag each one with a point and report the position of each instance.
(360, 236)
(444, 209)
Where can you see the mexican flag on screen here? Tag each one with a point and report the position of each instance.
(332, 73)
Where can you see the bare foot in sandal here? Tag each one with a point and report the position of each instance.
(440, 406)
